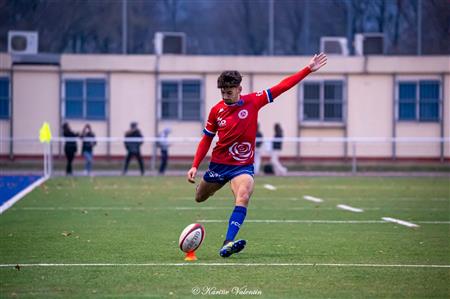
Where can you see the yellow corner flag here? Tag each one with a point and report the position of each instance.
(45, 135)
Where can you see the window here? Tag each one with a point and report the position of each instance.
(85, 99)
(419, 100)
(323, 101)
(181, 100)
(4, 97)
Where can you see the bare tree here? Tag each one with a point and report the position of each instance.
(436, 27)
(290, 27)
(226, 26)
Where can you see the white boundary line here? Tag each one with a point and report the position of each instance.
(312, 198)
(135, 208)
(270, 187)
(225, 264)
(117, 208)
(297, 221)
(21, 194)
(349, 208)
(401, 222)
(319, 221)
(143, 208)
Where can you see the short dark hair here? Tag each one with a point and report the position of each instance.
(229, 79)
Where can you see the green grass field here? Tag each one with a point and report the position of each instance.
(131, 226)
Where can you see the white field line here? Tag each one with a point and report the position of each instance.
(227, 265)
(134, 208)
(191, 198)
(270, 187)
(6, 205)
(313, 199)
(297, 221)
(401, 222)
(172, 208)
(199, 208)
(349, 208)
(231, 198)
(117, 208)
(318, 221)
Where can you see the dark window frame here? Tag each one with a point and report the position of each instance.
(6, 98)
(418, 101)
(322, 102)
(85, 100)
(180, 100)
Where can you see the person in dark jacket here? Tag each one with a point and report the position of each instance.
(133, 147)
(70, 147)
(87, 148)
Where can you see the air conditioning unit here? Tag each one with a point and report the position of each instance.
(23, 42)
(369, 44)
(334, 45)
(170, 43)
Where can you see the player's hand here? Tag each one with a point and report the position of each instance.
(317, 62)
(191, 175)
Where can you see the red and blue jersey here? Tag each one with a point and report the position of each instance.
(236, 124)
(236, 127)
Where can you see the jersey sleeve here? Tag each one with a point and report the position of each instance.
(289, 82)
(262, 98)
(211, 124)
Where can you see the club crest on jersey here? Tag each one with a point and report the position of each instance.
(243, 114)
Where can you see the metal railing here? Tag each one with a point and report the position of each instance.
(296, 150)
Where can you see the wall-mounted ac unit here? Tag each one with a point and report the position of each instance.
(369, 44)
(23, 42)
(170, 43)
(334, 45)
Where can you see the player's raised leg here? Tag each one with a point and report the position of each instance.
(242, 187)
(205, 190)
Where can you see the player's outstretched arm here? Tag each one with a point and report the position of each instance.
(315, 64)
(201, 152)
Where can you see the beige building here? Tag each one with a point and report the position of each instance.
(365, 99)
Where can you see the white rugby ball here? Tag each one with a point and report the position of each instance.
(191, 237)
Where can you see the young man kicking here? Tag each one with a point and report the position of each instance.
(235, 120)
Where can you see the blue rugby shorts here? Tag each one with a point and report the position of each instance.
(222, 174)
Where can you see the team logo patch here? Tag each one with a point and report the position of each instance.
(243, 114)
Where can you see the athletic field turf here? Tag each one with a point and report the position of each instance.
(118, 237)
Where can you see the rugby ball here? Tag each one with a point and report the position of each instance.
(191, 237)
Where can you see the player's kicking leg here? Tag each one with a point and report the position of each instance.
(242, 187)
(205, 190)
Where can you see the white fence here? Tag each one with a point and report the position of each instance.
(295, 150)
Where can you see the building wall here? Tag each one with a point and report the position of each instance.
(370, 113)
(132, 96)
(35, 101)
(418, 149)
(4, 133)
(322, 148)
(132, 99)
(446, 114)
